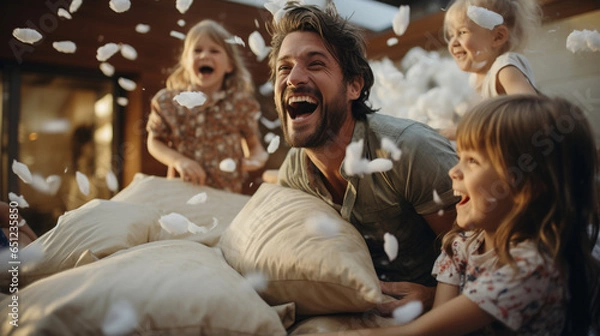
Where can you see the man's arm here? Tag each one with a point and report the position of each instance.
(441, 224)
(407, 291)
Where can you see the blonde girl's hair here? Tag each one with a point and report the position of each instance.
(544, 149)
(239, 78)
(521, 17)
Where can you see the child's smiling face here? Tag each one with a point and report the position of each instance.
(471, 45)
(209, 63)
(485, 194)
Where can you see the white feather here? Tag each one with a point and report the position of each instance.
(83, 183)
(484, 17)
(20, 199)
(227, 165)
(401, 20)
(106, 51)
(183, 5)
(119, 6)
(407, 312)
(142, 28)
(67, 47)
(174, 223)
(197, 199)
(190, 99)
(22, 171)
(121, 319)
(273, 145)
(27, 35)
(126, 84)
(390, 246)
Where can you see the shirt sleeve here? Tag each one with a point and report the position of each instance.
(428, 157)
(291, 171)
(157, 124)
(514, 298)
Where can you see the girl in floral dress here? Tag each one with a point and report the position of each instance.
(518, 260)
(195, 141)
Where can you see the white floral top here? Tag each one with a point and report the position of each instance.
(530, 302)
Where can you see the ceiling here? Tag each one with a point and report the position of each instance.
(374, 15)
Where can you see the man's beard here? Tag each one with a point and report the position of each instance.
(333, 116)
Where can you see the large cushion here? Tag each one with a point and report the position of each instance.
(93, 231)
(171, 195)
(173, 287)
(320, 273)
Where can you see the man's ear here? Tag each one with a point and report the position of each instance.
(355, 87)
(500, 36)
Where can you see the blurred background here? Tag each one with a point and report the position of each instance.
(61, 114)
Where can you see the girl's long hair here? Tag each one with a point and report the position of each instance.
(238, 79)
(544, 149)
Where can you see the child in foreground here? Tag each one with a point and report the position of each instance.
(519, 257)
(194, 141)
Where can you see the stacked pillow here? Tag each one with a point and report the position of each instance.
(321, 272)
(171, 287)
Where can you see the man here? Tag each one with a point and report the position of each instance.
(322, 81)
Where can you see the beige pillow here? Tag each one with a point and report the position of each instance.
(93, 231)
(171, 195)
(173, 287)
(319, 274)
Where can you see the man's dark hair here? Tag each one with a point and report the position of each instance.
(343, 40)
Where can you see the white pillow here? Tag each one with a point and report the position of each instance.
(171, 195)
(172, 287)
(319, 274)
(93, 231)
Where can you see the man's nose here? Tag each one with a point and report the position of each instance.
(297, 76)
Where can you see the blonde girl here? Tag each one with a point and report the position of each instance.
(193, 142)
(518, 260)
(491, 54)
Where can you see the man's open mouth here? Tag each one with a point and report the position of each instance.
(301, 105)
(206, 70)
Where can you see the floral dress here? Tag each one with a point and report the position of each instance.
(531, 301)
(208, 133)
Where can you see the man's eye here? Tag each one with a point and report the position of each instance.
(283, 68)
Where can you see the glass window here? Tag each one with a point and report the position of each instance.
(65, 126)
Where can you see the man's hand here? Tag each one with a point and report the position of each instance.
(405, 292)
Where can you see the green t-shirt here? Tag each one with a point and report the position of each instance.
(393, 201)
